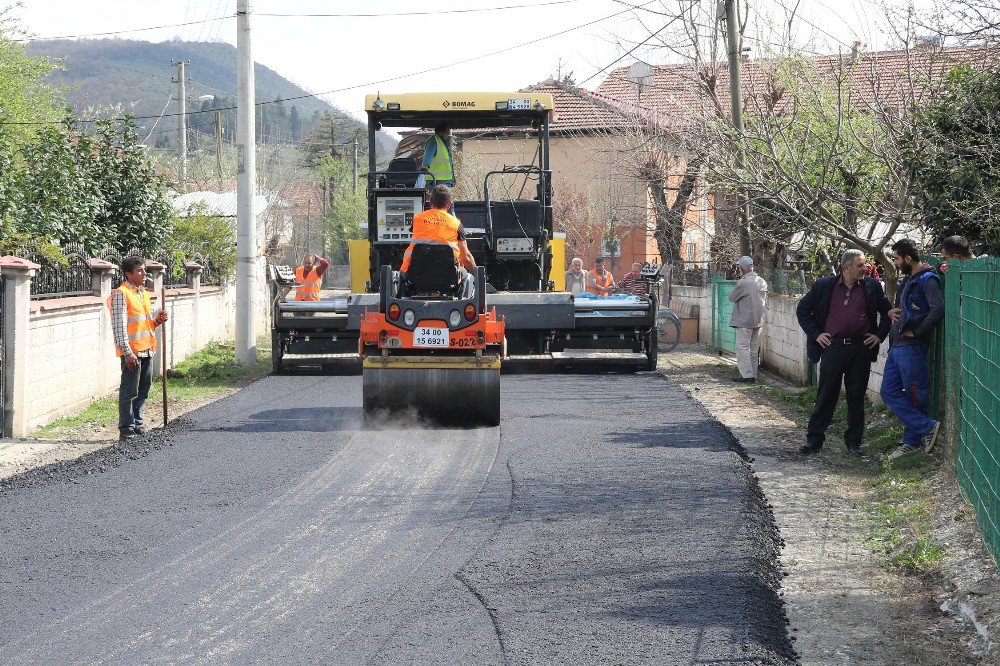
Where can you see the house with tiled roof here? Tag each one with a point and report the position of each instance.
(602, 203)
(874, 77)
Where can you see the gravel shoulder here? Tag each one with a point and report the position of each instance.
(844, 606)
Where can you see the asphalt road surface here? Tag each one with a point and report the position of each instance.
(608, 520)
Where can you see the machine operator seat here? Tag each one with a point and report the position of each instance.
(434, 273)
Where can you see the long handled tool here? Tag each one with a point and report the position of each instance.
(163, 354)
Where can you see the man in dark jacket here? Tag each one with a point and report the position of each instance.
(906, 380)
(845, 318)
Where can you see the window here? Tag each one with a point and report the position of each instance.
(692, 252)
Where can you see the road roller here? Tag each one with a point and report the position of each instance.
(432, 347)
(509, 229)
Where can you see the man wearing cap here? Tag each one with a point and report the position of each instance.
(749, 297)
(845, 318)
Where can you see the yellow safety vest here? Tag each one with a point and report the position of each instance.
(434, 225)
(440, 166)
(308, 290)
(141, 327)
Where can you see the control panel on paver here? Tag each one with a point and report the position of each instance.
(395, 217)
(283, 275)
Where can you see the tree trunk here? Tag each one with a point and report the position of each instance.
(669, 231)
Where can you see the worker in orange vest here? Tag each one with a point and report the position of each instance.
(309, 277)
(600, 281)
(133, 326)
(438, 225)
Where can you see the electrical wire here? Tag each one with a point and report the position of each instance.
(426, 13)
(169, 97)
(121, 32)
(361, 85)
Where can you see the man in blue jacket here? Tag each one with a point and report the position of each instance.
(906, 381)
(845, 318)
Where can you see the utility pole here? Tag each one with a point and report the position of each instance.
(246, 186)
(181, 82)
(218, 145)
(354, 186)
(736, 102)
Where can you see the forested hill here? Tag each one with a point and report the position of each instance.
(137, 76)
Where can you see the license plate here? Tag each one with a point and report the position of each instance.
(426, 336)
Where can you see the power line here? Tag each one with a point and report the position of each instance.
(427, 13)
(360, 85)
(121, 32)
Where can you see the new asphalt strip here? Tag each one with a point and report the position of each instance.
(608, 520)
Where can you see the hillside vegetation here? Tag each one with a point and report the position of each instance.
(136, 77)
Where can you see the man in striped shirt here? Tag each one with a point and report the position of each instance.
(133, 325)
(633, 283)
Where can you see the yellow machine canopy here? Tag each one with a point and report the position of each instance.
(462, 110)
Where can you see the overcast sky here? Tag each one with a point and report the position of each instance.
(352, 56)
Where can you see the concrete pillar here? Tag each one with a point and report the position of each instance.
(193, 271)
(155, 272)
(101, 275)
(17, 274)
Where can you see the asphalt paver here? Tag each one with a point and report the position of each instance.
(608, 520)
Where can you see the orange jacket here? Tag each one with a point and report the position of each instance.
(140, 326)
(308, 289)
(434, 225)
(604, 282)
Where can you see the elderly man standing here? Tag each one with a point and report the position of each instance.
(749, 297)
(845, 318)
(576, 277)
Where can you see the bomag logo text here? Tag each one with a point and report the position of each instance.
(461, 105)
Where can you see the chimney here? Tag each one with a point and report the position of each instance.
(855, 51)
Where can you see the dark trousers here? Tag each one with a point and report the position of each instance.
(851, 365)
(133, 392)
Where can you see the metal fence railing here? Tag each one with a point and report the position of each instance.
(972, 387)
(786, 281)
(70, 276)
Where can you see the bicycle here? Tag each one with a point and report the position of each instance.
(668, 330)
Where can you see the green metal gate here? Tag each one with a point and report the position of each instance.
(723, 335)
(972, 387)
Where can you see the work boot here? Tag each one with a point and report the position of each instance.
(138, 430)
(854, 450)
(809, 448)
(125, 434)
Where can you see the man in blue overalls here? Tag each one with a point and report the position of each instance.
(906, 381)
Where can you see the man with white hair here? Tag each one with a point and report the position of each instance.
(748, 297)
(576, 277)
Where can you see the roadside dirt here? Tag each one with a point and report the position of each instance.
(844, 607)
(21, 455)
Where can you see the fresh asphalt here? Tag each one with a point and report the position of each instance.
(608, 520)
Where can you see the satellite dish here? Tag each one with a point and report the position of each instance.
(641, 74)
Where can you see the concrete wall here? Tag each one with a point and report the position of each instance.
(783, 344)
(59, 353)
(70, 357)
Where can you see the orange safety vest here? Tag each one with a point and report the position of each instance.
(434, 225)
(308, 289)
(604, 282)
(141, 326)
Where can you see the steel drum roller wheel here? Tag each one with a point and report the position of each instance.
(466, 397)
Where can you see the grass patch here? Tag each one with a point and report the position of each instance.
(899, 505)
(209, 372)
